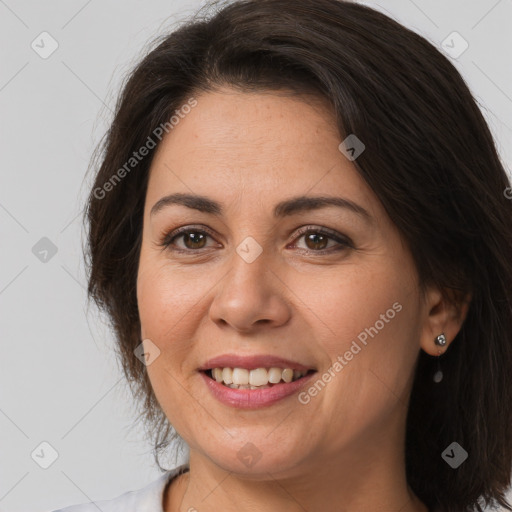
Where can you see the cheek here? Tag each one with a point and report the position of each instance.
(169, 305)
(357, 304)
(369, 318)
(166, 298)
(172, 307)
(381, 337)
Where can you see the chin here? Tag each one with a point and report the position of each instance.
(258, 458)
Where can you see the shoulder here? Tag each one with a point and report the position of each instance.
(148, 498)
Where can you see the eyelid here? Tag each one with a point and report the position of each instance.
(339, 237)
(343, 241)
(168, 236)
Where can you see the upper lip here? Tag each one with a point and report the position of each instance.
(251, 362)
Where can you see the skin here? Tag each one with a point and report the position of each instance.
(344, 450)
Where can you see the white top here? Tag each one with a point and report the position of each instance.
(147, 499)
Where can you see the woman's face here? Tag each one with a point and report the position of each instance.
(261, 273)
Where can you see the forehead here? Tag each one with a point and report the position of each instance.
(234, 144)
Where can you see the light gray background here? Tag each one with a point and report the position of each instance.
(59, 380)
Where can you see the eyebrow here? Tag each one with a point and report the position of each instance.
(285, 208)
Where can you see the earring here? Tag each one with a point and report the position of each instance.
(440, 341)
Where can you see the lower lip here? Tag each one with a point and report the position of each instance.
(254, 398)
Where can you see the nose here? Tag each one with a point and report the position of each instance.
(250, 296)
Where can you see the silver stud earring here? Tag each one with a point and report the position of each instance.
(440, 341)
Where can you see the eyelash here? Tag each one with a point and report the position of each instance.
(342, 240)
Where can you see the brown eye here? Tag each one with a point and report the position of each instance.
(316, 241)
(190, 240)
(322, 240)
(193, 240)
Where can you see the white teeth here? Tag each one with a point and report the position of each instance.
(258, 378)
(227, 375)
(274, 375)
(287, 375)
(240, 376)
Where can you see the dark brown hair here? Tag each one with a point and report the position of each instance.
(431, 160)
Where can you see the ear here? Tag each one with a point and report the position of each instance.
(443, 314)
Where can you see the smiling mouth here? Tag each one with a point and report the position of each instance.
(258, 378)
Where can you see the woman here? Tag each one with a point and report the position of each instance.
(299, 225)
